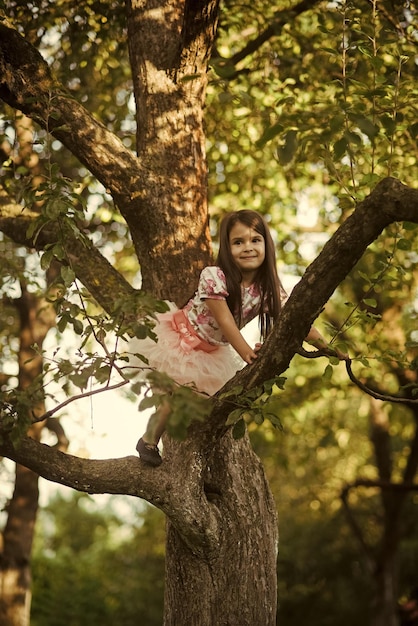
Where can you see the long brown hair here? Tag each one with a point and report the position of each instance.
(266, 279)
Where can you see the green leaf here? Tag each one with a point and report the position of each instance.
(65, 366)
(370, 302)
(67, 275)
(233, 417)
(340, 148)
(286, 152)
(235, 391)
(147, 402)
(136, 387)
(334, 360)
(62, 323)
(78, 326)
(366, 125)
(189, 77)
(366, 277)
(327, 375)
(411, 344)
(102, 374)
(269, 134)
(223, 68)
(239, 429)
(79, 380)
(404, 244)
(46, 259)
(276, 422)
(410, 226)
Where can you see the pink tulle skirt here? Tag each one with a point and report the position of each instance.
(205, 371)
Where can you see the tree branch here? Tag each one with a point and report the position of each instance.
(371, 392)
(104, 283)
(86, 394)
(148, 191)
(412, 463)
(27, 84)
(370, 561)
(375, 394)
(128, 476)
(282, 18)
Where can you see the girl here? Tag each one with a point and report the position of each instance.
(194, 343)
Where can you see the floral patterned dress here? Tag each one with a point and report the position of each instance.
(190, 347)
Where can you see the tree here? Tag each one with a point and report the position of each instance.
(212, 486)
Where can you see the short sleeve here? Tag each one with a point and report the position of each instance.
(212, 284)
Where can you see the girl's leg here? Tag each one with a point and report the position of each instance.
(147, 446)
(156, 423)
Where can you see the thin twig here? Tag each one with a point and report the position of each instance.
(79, 396)
(314, 354)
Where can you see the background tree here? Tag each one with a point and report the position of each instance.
(151, 187)
(35, 317)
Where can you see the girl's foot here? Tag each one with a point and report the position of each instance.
(149, 453)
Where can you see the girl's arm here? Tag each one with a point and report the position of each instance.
(229, 328)
(316, 339)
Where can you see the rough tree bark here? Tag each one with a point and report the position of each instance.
(222, 534)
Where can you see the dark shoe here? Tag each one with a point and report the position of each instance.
(149, 453)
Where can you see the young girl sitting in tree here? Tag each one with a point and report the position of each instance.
(194, 343)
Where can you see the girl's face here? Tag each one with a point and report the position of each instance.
(248, 250)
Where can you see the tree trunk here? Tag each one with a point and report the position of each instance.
(384, 599)
(234, 575)
(15, 572)
(234, 583)
(384, 602)
(169, 48)
(15, 556)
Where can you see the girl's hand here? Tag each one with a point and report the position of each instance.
(230, 330)
(316, 339)
(250, 356)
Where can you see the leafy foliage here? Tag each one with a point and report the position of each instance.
(254, 406)
(112, 559)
